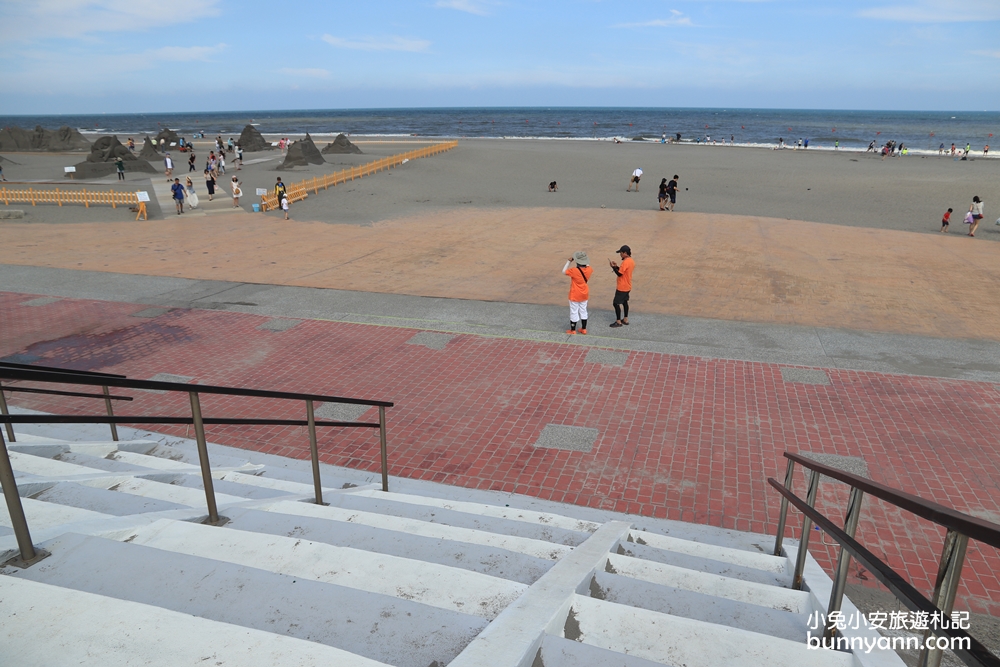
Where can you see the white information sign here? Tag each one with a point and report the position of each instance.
(261, 192)
(69, 170)
(142, 195)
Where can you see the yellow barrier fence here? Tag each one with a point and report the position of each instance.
(57, 196)
(299, 191)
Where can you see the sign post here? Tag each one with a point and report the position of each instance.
(142, 196)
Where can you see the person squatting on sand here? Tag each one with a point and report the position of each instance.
(553, 187)
(178, 191)
(976, 210)
(636, 175)
(623, 285)
(579, 275)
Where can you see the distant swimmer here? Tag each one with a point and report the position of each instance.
(636, 175)
(553, 187)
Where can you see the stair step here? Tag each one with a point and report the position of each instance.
(93, 630)
(147, 488)
(512, 513)
(561, 652)
(485, 560)
(704, 564)
(40, 466)
(530, 547)
(752, 559)
(41, 515)
(674, 640)
(379, 503)
(99, 463)
(699, 606)
(245, 491)
(153, 462)
(101, 500)
(435, 585)
(262, 481)
(709, 583)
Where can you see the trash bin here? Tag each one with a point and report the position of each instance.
(256, 208)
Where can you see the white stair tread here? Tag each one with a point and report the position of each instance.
(28, 438)
(752, 559)
(86, 629)
(428, 583)
(41, 515)
(524, 545)
(710, 584)
(674, 640)
(493, 511)
(46, 467)
(250, 479)
(153, 462)
(149, 489)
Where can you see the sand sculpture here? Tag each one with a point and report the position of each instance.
(341, 145)
(169, 137)
(149, 151)
(64, 139)
(101, 161)
(252, 141)
(302, 153)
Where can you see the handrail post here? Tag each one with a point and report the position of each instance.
(800, 559)
(14, 508)
(314, 451)
(948, 576)
(385, 455)
(844, 558)
(783, 515)
(206, 469)
(3, 408)
(111, 413)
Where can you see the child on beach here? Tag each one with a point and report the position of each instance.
(284, 206)
(945, 219)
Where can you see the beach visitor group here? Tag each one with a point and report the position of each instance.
(579, 288)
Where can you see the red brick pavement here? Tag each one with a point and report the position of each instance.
(679, 437)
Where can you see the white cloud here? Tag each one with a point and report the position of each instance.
(476, 7)
(676, 18)
(180, 53)
(309, 72)
(390, 43)
(30, 20)
(937, 11)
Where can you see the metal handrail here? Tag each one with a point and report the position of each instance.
(55, 375)
(960, 528)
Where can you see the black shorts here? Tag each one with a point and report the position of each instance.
(620, 298)
(635, 179)
(673, 196)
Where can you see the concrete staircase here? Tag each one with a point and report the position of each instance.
(426, 575)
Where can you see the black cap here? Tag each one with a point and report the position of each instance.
(625, 249)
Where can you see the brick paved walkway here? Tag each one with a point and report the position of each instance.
(679, 437)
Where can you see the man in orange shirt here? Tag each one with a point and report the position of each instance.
(623, 286)
(579, 275)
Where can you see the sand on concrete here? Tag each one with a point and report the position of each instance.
(715, 266)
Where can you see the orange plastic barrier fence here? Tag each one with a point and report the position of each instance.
(299, 191)
(57, 196)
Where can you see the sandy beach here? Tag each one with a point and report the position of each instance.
(842, 188)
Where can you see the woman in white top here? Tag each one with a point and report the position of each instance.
(191, 195)
(977, 214)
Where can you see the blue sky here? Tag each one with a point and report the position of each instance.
(94, 56)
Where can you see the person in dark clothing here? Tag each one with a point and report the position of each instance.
(623, 285)
(672, 191)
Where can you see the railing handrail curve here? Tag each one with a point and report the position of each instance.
(60, 377)
(978, 529)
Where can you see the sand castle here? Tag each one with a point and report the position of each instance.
(103, 154)
(340, 145)
(149, 151)
(302, 153)
(64, 139)
(251, 140)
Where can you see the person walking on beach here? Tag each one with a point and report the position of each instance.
(222, 163)
(968, 147)
(579, 293)
(239, 157)
(210, 183)
(284, 205)
(945, 221)
(623, 285)
(836, 145)
(131, 145)
(953, 150)
(976, 209)
(168, 166)
(672, 191)
(941, 149)
(237, 192)
(190, 194)
(191, 161)
(871, 147)
(636, 175)
(662, 196)
(120, 167)
(178, 191)
(280, 191)
(986, 150)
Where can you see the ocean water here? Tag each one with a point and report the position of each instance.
(920, 130)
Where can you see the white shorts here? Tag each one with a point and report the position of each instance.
(577, 311)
